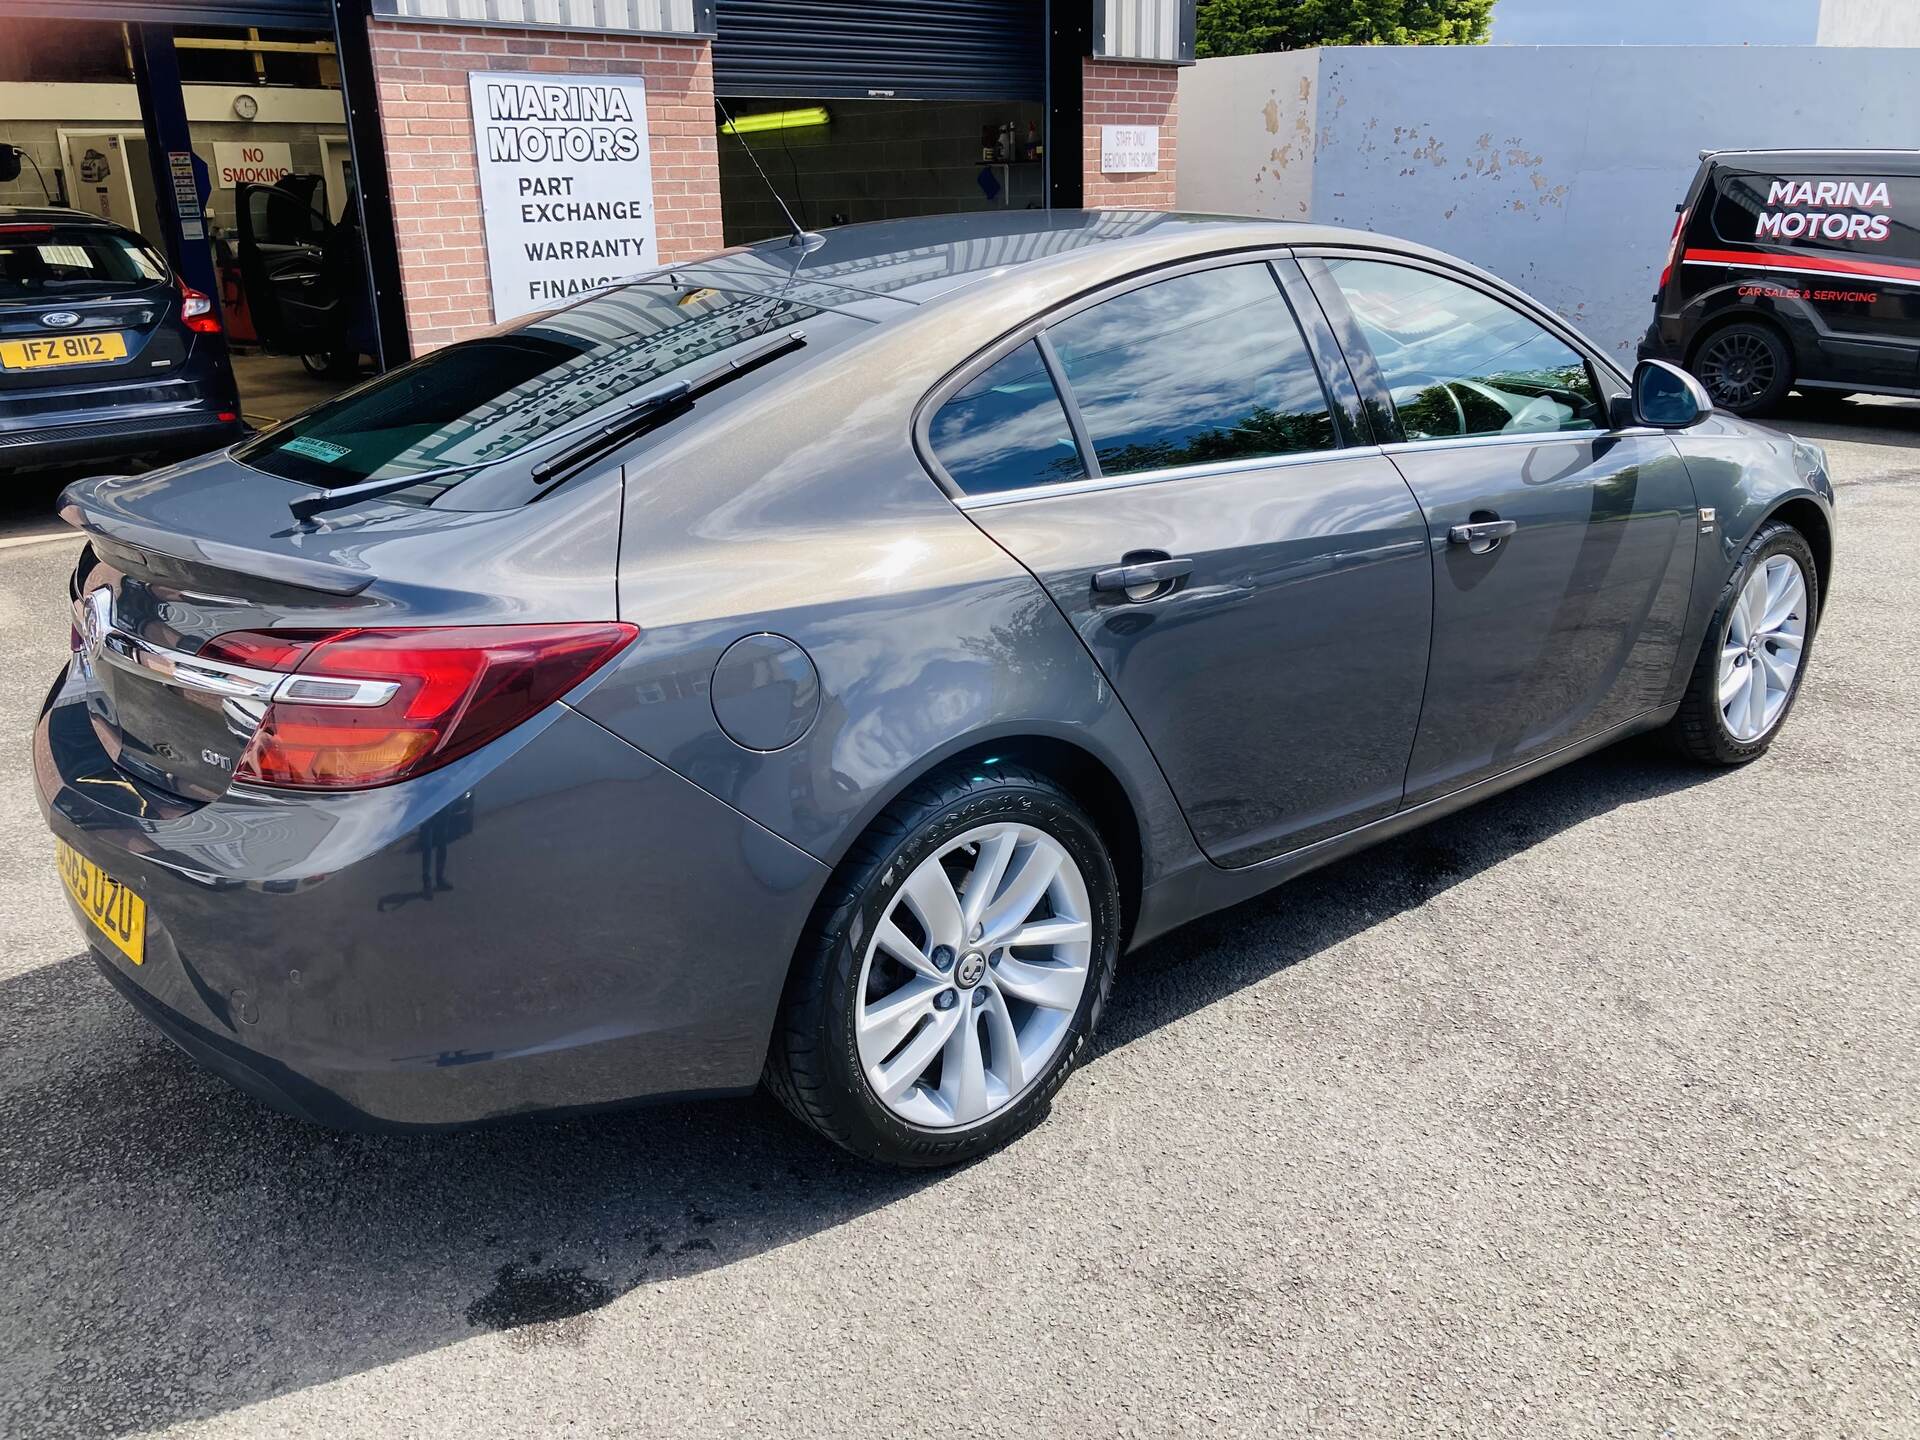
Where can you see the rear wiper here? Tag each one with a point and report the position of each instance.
(647, 410)
(594, 440)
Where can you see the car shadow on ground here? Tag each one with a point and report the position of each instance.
(180, 1251)
(1867, 420)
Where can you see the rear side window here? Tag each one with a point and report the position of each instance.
(1006, 429)
(1864, 215)
(1203, 367)
(1459, 362)
(49, 260)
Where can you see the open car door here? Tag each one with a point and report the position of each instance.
(296, 307)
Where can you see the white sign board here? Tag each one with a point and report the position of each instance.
(250, 163)
(1129, 149)
(566, 184)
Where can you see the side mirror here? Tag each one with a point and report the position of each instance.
(1667, 397)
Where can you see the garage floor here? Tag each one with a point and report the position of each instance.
(275, 387)
(1587, 1111)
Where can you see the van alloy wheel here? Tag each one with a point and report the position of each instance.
(1738, 366)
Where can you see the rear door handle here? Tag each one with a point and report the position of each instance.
(1480, 536)
(1146, 576)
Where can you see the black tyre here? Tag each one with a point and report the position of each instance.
(318, 363)
(954, 970)
(1746, 368)
(1755, 653)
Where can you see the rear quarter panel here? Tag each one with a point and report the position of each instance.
(810, 516)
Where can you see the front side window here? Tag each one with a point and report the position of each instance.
(1459, 362)
(1005, 429)
(1203, 367)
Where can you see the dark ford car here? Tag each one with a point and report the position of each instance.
(103, 351)
(1794, 270)
(825, 662)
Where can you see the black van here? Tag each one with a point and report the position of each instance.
(1794, 270)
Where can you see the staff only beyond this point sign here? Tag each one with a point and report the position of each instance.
(566, 184)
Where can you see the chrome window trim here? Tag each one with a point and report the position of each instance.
(222, 678)
(990, 498)
(1526, 437)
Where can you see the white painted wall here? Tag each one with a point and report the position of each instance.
(1253, 118)
(1555, 167)
(1870, 22)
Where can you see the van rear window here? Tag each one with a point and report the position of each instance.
(1865, 215)
(483, 400)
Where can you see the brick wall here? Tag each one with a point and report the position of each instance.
(427, 122)
(1115, 92)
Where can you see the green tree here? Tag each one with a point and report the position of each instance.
(1248, 27)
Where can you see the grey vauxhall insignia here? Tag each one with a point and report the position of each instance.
(820, 663)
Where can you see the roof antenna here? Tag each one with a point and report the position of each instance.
(805, 241)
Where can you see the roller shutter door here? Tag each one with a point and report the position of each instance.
(936, 50)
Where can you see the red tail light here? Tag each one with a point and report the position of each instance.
(1673, 249)
(197, 311)
(436, 695)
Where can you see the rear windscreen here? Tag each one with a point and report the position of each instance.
(485, 399)
(47, 260)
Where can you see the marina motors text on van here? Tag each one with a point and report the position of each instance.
(1842, 214)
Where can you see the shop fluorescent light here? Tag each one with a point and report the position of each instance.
(777, 120)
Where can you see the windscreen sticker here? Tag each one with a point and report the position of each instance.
(306, 445)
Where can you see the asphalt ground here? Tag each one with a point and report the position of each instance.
(1593, 1110)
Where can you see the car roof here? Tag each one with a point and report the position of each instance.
(53, 215)
(914, 261)
(1818, 162)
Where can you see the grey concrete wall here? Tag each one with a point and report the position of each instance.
(1556, 167)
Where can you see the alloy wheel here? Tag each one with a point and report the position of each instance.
(1760, 652)
(1737, 368)
(972, 978)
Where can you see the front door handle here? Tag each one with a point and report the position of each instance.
(1480, 536)
(1143, 580)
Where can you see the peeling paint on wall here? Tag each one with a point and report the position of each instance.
(1556, 167)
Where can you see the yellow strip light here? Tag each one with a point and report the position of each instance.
(776, 120)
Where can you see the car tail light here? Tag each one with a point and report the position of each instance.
(360, 708)
(1673, 250)
(197, 311)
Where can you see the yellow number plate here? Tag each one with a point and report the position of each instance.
(115, 911)
(62, 350)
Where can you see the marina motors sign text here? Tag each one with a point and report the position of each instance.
(566, 184)
(1824, 210)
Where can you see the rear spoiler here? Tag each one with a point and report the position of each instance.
(295, 570)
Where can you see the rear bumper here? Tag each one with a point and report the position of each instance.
(1656, 346)
(190, 433)
(555, 922)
